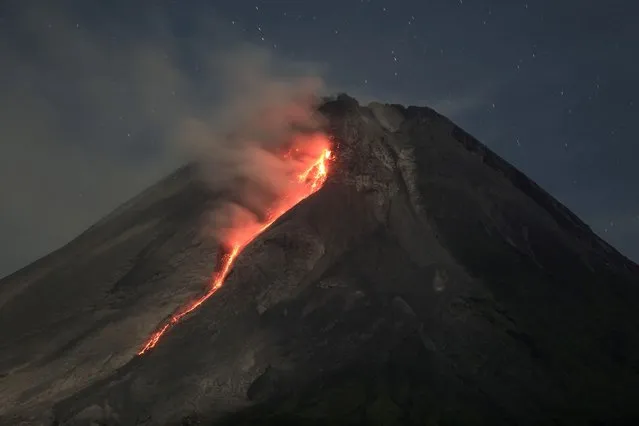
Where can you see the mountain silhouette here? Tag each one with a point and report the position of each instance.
(428, 282)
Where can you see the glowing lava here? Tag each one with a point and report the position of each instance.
(313, 174)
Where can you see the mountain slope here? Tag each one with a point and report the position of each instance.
(428, 282)
(82, 311)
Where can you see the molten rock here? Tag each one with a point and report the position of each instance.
(426, 282)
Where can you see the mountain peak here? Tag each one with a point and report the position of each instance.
(426, 281)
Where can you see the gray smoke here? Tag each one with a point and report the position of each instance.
(237, 145)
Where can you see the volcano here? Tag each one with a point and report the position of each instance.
(425, 281)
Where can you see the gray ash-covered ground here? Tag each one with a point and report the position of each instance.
(428, 282)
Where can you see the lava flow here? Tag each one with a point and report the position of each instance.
(311, 175)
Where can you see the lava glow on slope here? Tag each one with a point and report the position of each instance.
(311, 157)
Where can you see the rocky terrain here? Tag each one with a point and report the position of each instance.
(427, 283)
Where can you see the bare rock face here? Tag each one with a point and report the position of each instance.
(428, 282)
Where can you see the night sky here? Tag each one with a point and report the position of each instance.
(88, 102)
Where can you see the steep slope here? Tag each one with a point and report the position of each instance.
(427, 282)
(82, 312)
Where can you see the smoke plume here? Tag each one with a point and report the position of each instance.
(241, 147)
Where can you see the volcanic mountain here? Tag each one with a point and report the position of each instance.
(427, 282)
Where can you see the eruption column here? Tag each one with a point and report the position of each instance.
(308, 181)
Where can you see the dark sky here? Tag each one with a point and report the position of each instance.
(87, 100)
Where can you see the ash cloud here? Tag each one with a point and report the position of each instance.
(95, 110)
(239, 146)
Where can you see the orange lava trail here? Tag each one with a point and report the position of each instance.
(308, 182)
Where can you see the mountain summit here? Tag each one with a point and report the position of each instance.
(427, 282)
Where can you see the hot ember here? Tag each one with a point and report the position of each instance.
(311, 157)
